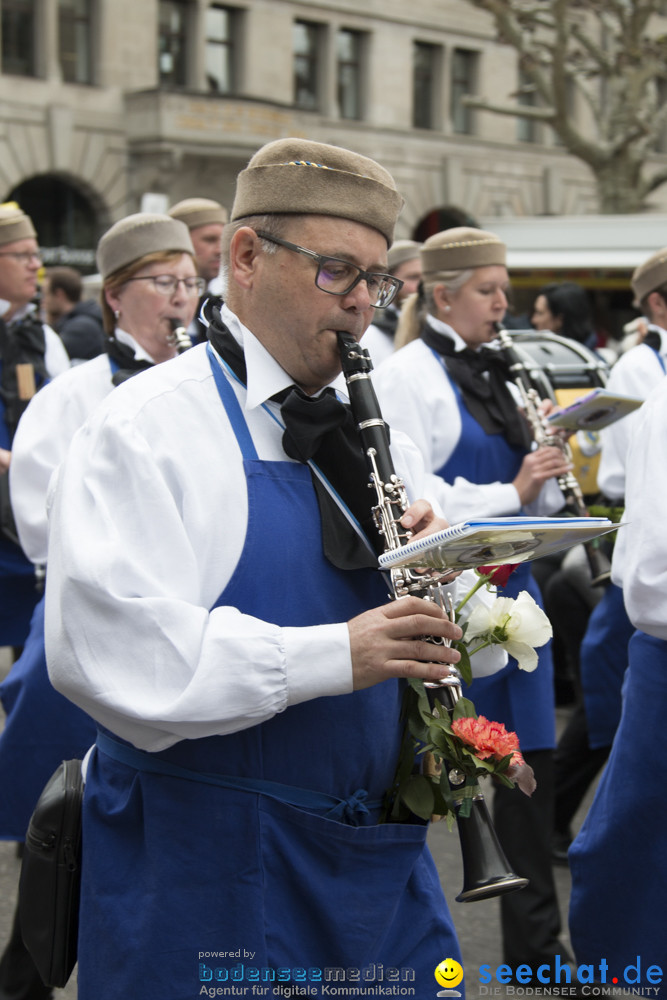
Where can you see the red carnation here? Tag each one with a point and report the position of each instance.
(488, 739)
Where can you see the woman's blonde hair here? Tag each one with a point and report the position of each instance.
(115, 281)
(418, 306)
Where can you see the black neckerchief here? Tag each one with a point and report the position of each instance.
(22, 342)
(320, 428)
(488, 400)
(128, 364)
(653, 340)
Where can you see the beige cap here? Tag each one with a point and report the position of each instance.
(650, 275)
(461, 248)
(196, 212)
(303, 177)
(402, 251)
(137, 235)
(15, 224)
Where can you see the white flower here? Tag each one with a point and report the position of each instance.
(516, 625)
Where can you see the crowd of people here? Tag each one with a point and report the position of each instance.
(188, 566)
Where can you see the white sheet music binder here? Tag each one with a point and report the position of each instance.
(495, 541)
(595, 410)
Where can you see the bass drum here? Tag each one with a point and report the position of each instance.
(563, 370)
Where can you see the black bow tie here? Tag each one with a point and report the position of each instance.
(320, 429)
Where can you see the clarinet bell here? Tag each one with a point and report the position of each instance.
(486, 870)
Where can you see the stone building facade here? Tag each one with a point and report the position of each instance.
(111, 106)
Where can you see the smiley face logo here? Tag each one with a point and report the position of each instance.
(449, 973)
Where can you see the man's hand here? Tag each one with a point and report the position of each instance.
(390, 642)
(5, 457)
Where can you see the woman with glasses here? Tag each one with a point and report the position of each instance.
(150, 286)
(449, 392)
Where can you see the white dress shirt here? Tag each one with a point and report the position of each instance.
(417, 397)
(149, 513)
(639, 563)
(44, 433)
(635, 373)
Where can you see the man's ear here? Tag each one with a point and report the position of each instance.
(244, 251)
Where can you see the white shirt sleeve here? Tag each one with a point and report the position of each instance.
(41, 441)
(416, 396)
(56, 358)
(635, 373)
(640, 554)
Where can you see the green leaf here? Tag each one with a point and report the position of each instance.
(463, 665)
(418, 796)
(464, 709)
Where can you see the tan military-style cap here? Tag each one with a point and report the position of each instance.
(15, 224)
(137, 235)
(303, 177)
(195, 212)
(650, 275)
(461, 248)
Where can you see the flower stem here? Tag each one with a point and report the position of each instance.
(473, 590)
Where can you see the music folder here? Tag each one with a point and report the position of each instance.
(595, 410)
(495, 541)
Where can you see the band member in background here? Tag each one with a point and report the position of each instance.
(448, 391)
(617, 860)
(637, 372)
(404, 262)
(206, 220)
(196, 611)
(30, 354)
(149, 278)
(77, 321)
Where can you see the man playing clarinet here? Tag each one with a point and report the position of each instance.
(213, 603)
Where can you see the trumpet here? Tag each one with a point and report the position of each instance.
(486, 870)
(598, 563)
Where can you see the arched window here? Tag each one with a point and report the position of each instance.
(67, 220)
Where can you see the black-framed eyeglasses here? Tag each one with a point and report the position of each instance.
(338, 277)
(167, 284)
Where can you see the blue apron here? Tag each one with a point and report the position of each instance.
(42, 729)
(619, 874)
(522, 700)
(18, 590)
(604, 659)
(176, 869)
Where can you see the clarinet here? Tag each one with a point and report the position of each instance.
(179, 336)
(574, 499)
(486, 870)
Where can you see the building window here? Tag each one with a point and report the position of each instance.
(18, 37)
(425, 84)
(349, 54)
(74, 40)
(306, 44)
(526, 128)
(464, 83)
(221, 29)
(172, 43)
